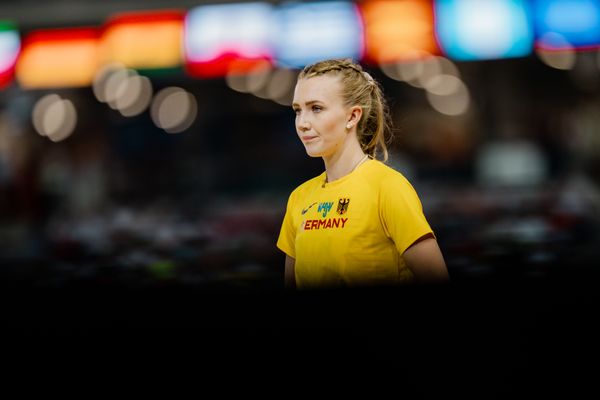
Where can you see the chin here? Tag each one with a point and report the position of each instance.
(314, 152)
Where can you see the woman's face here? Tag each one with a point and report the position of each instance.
(321, 116)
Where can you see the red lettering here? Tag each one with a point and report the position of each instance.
(314, 224)
(307, 225)
(344, 221)
(321, 223)
(328, 225)
(335, 223)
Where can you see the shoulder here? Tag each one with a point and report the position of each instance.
(399, 208)
(385, 176)
(391, 185)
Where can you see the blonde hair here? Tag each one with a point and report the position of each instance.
(359, 88)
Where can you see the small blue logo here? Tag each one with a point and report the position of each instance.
(325, 207)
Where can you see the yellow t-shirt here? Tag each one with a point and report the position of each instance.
(352, 231)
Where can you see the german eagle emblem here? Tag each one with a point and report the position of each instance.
(342, 207)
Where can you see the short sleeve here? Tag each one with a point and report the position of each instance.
(401, 213)
(287, 235)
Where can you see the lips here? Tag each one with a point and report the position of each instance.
(308, 138)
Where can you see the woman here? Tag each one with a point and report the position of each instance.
(360, 222)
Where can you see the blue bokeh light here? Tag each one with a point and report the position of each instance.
(309, 32)
(469, 30)
(569, 22)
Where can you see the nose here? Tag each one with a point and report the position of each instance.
(302, 123)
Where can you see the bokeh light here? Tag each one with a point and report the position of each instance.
(10, 46)
(219, 37)
(248, 80)
(58, 58)
(577, 21)
(436, 74)
(430, 68)
(443, 85)
(54, 117)
(115, 81)
(469, 30)
(447, 66)
(406, 70)
(454, 104)
(309, 32)
(394, 29)
(174, 109)
(556, 52)
(133, 95)
(280, 88)
(510, 162)
(100, 79)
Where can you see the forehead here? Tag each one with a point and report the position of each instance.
(324, 88)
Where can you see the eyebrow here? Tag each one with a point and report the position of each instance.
(308, 103)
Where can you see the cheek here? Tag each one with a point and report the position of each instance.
(333, 128)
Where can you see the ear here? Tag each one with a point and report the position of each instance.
(354, 114)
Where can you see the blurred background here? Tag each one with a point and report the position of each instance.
(151, 143)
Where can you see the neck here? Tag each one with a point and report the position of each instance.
(344, 161)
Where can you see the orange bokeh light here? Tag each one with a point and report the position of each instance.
(398, 30)
(146, 40)
(58, 58)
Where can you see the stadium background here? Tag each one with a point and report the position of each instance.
(507, 168)
(173, 170)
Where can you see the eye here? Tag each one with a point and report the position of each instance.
(296, 111)
(317, 109)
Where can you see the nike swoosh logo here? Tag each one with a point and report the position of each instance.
(308, 208)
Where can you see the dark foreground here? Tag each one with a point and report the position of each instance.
(481, 339)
